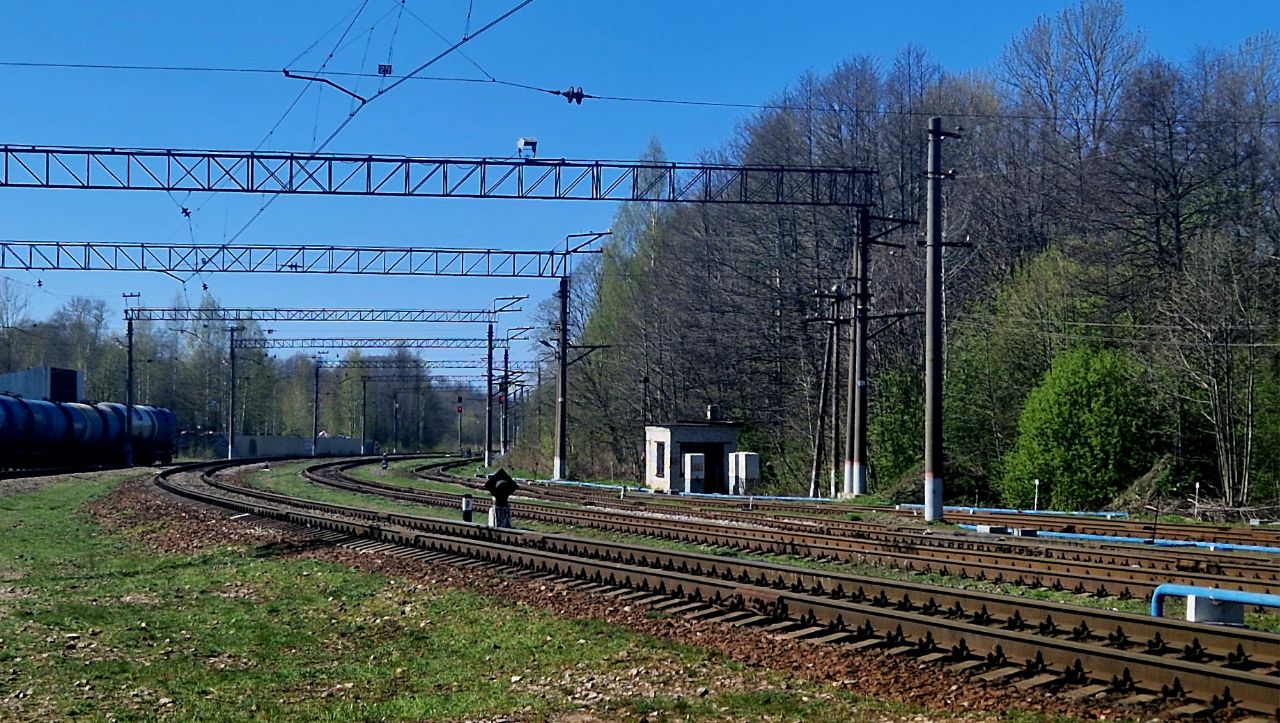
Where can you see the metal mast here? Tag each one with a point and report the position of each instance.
(559, 469)
(488, 401)
(933, 460)
(855, 453)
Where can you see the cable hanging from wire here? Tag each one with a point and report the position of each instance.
(352, 115)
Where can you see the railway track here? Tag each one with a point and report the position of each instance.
(1075, 568)
(832, 517)
(1078, 524)
(1026, 643)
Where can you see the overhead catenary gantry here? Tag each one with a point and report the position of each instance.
(156, 169)
(423, 364)
(265, 342)
(289, 259)
(268, 342)
(381, 175)
(233, 316)
(415, 379)
(241, 313)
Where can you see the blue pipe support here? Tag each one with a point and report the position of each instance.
(1169, 589)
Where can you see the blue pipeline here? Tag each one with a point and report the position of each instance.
(1159, 542)
(1172, 590)
(1011, 511)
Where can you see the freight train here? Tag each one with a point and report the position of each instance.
(35, 433)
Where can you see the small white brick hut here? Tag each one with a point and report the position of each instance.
(666, 444)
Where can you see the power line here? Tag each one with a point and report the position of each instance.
(1127, 340)
(1110, 324)
(381, 92)
(337, 47)
(440, 35)
(491, 80)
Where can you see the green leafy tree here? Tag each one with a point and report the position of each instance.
(1085, 433)
(999, 352)
(894, 423)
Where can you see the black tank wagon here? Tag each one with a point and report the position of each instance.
(36, 433)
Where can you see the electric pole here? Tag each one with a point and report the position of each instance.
(231, 415)
(459, 425)
(537, 399)
(855, 452)
(395, 422)
(822, 408)
(129, 384)
(488, 403)
(560, 469)
(364, 409)
(837, 306)
(315, 412)
(933, 461)
(128, 397)
(504, 433)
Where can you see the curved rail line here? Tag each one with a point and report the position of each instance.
(1200, 532)
(1054, 566)
(830, 515)
(1034, 643)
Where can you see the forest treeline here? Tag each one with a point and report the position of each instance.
(1111, 308)
(184, 366)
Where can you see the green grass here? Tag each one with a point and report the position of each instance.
(97, 627)
(401, 473)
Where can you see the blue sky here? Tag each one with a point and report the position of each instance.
(743, 51)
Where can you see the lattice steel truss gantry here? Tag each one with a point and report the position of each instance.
(266, 342)
(293, 259)
(389, 175)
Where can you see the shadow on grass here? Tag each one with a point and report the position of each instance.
(198, 561)
(285, 549)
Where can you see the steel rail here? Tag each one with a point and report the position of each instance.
(1094, 571)
(848, 607)
(828, 512)
(1226, 534)
(1011, 567)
